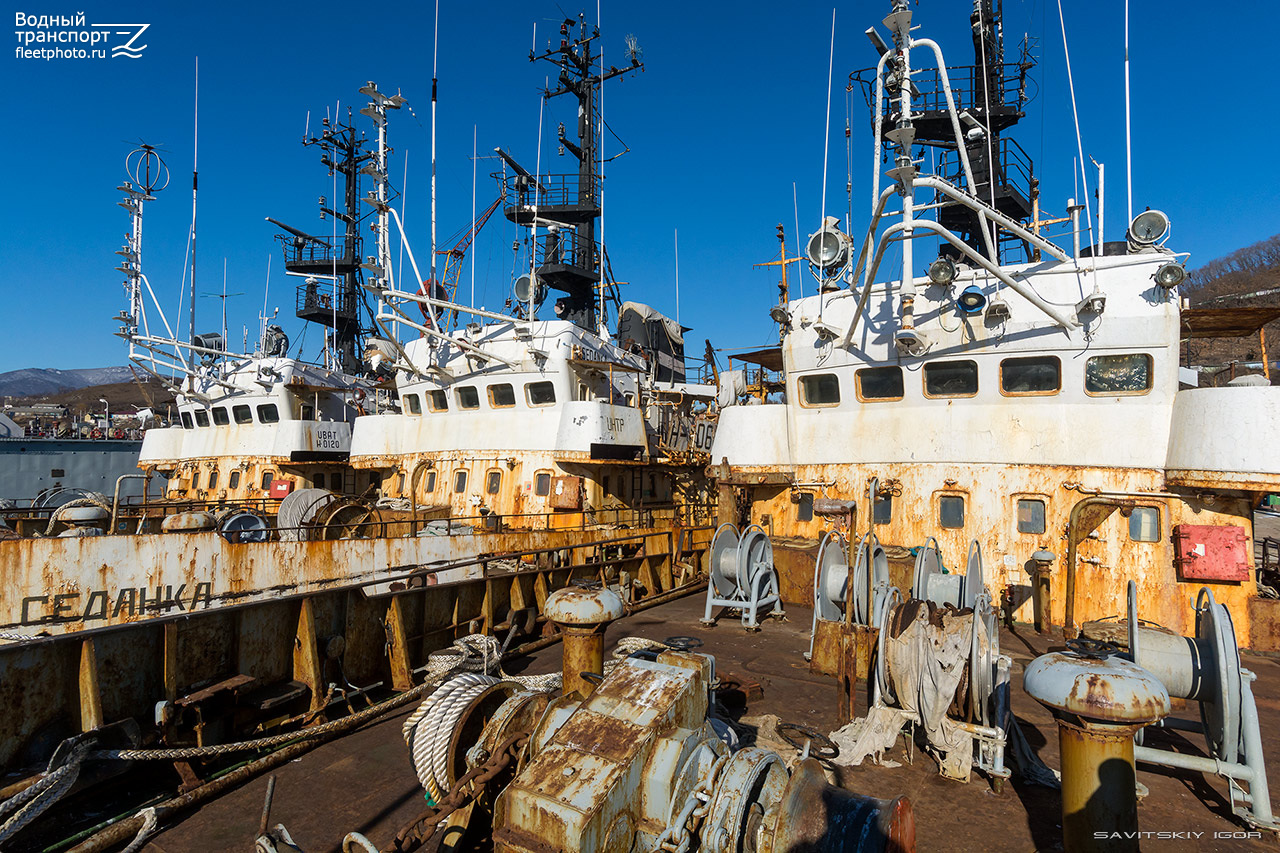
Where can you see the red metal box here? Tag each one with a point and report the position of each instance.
(281, 488)
(1207, 552)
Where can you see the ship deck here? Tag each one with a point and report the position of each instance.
(364, 782)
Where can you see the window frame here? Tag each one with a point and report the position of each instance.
(432, 479)
(493, 400)
(924, 379)
(1052, 393)
(857, 383)
(1150, 375)
(964, 510)
(268, 413)
(242, 414)
(537, 483)
(458, 397)
(268, 477)
(221, 417)
(492, 487)
(802, 383)
(413, 405)
(1044, 515)
(528, 393)
(233, 481)
(459, 481)
(202, 418)
(187, 423)
(1159, 524)
(877, 501)
(437, 400)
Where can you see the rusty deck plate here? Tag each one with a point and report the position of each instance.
(364, 782)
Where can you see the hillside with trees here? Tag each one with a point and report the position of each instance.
(1248, 277)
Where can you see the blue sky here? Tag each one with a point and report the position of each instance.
(727, 116)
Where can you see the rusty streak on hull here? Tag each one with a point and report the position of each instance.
(1106, 556)
(284, 620)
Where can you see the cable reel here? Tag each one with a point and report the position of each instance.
(831, 578)
(1206, 668)
(985, 701)
(742, 574)
(931, 583)
(240, 524)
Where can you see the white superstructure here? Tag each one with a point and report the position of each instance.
(1005, 388)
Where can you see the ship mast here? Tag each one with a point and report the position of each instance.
(337, 306)
(567, 258)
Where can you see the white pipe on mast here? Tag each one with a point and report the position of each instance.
(600, 178)
(676, 238)
(1128, 134)
(435, 53)
(195, 158)
(473, 215)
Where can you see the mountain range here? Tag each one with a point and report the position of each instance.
(46, 380)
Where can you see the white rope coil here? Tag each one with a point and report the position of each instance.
(28, 805)
(432, 729)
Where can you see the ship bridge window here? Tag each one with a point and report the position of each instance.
(195, 479)
(234, 480)
(186, 421)
(242, 414)
(1144, 524)
(413, 404)
(1030, 516)
(822, 389)
(502, 396)
(431, 482)
(1041, 374)
(951, 379)
(542, 483)
(468, 397)
(951, 511)
(1118, 374)
(493, 482)
(540, 393)
(437, 401)
(220, 416)
(202, 418)
(880, 383)
(460, 480)
(306, 412)
(268, 413)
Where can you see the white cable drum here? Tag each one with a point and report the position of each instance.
(298, 508)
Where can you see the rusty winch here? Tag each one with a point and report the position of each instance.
(630, 760)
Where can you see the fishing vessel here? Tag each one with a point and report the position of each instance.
(1006, 387)
(256, 598)
(527, 421)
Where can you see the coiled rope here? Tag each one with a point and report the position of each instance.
(90, 499)
(428, 731)
(28, 805)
